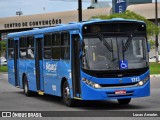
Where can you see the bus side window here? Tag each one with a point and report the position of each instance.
(47, 46)
(23, 45)
(30, 47)
(65, 45)
(10, 48)
(56, 52)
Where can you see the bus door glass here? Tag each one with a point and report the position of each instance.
(39, 63)
(16, 62)
(13, 61)
(75, 64)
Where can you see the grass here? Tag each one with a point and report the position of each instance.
(154, 68)
(3, 69)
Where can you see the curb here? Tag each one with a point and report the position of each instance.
(6, 73)
(156, 75)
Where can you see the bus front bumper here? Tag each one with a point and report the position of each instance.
(90, 93)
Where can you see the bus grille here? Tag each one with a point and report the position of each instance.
(118, 85)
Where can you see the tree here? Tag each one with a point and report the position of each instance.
(152, 29)
(2, 47)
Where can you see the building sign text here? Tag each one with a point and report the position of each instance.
(33, 23)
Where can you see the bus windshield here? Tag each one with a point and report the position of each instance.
(106, 52)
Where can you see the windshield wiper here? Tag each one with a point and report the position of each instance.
(108, 47)
(127, 44)
(105, 42)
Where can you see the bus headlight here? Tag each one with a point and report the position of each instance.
(97, 86)
(90, 83)
(142, 82)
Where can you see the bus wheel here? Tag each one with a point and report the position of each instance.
(124, 101)
(66, 95)
(27, 92)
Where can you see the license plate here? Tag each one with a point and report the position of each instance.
(120, 92)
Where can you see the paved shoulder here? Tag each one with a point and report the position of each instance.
(155, 75)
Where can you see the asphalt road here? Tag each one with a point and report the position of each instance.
(13, 99)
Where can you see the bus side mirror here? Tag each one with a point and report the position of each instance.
(148, 47)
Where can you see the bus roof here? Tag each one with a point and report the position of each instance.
(64, 27)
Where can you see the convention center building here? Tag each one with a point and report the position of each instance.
(21, 23)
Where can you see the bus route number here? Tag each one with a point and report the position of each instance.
(135, 79)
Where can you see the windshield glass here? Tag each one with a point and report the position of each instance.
(114, 53)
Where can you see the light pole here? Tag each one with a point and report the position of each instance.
(156, 37)
(79, 10)
(19, 13)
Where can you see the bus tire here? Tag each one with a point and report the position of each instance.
(27, 92)
(66, 97)
(124, 101)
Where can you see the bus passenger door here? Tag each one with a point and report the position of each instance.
(16, 63)
(75, 65)
(39, 65)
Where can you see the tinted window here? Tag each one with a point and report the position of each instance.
(26, 47)
(47, 53)
(65, 45)
(30, 41)
(56, 39)
(57, 46)
(10, 43)
(47, 46)
(23, 42)
(23, 53)
(48, 40)
(56, 53)
(10, 48)
(65, 39)
(65, 53)
(30, 47)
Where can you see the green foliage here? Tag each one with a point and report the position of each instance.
(2, 47)
(152, 29)
(154, 68)
(3, 69)
(152, 44)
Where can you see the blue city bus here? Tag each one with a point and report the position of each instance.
(90, 60)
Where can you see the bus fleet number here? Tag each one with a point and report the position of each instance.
(136, 79)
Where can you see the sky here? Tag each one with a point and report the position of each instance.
(8, 8)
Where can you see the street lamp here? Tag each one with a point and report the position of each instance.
(156, 37)
(80, 10)
(19, 13)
